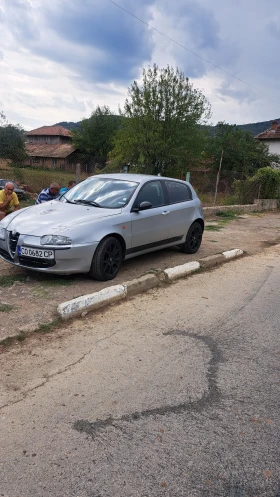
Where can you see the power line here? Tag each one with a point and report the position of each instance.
(196, 55)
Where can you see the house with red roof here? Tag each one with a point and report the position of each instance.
(50, 147)
(271, 137)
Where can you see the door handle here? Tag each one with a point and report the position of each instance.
(164, 213)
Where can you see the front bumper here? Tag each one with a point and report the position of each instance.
(74, 259)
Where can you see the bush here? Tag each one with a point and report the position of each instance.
(264, 184)
(269, 180)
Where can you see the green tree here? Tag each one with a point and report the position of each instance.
(242, 152)
(11, 141)
(94, 137)
(160, 132)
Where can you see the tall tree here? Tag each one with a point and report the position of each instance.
(11, 141)
(94, 137)
(161, 119)
(242, 152)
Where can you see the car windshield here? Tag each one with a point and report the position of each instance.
(101, 192)
(4, 181)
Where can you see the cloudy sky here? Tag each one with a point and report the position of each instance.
(59, 59)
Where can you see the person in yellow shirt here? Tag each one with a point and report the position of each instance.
(8, 200)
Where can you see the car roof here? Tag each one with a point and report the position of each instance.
(139, 178)
(7, 180)
(11, 181)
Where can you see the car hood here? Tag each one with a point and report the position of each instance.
(54, 217)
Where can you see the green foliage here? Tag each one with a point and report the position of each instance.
(227, 214)
(37, 178)
(94, 137)
(246, 190)
(18, 173)
(160, 132)
(269, 180)
(242, 153)
(11, 141)
(9, 280)
(264, 184)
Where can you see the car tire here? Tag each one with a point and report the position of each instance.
(193, 239)
(107, 260)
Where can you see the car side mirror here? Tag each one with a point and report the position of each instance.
(142, 207)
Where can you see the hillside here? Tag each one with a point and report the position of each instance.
(257, 128)
(254, 128)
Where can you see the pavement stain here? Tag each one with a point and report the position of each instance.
(210, 397)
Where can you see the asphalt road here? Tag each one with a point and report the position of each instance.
(174, 393)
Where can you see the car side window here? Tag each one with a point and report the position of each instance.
(152, 192)
(178, 192)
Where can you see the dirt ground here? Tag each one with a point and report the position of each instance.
(29, 300)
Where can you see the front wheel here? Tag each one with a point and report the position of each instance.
(193, 239)
(107, 260)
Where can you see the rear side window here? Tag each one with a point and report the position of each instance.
(178, 192)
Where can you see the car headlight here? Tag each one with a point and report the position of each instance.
(2, 233)
(55, 240)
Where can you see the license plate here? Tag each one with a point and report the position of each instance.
(37, 253)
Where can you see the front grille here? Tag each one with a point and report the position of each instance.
(13, 239)
(6, 255)
(39, 263)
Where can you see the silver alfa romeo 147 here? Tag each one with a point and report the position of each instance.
(100, 222)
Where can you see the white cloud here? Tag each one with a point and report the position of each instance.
(58, 62)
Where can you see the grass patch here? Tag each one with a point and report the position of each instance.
(26, 203)
(227, 214)
(213, 227)
(41, 293)
(207, 199)
(47, 327)
(6, 307)
(7, 341)
(224, 218)
(22, 335)
(10, 279)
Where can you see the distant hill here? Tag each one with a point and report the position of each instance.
(257, 128)
(69, 125)
(254, 128)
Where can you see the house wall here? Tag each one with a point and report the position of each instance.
(52, 140)
(273, 145)
(51, 163)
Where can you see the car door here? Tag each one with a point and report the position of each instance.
(150, 227)
(181, 206)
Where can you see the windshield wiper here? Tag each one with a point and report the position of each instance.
(87, 202)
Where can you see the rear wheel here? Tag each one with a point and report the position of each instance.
(107, 260)
(193, 239)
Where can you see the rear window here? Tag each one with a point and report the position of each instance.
(178, 192)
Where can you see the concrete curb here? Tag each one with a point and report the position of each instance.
(91, 301)
(81, 305)
(173, 273)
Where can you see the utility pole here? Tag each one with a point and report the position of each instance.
(218, 177)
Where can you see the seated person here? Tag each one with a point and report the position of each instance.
(70, 185)
(48, 194)
(8, 200)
